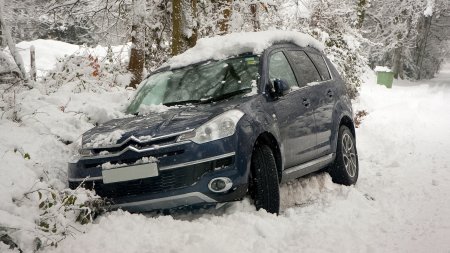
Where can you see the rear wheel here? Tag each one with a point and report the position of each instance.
(345, 168)
(264, 186)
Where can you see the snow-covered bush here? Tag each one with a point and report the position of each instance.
(344, 51)
(59, 210)
(330, 22)
(39, 131)
(56, 214)
(86, 72)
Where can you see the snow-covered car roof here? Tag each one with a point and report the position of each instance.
(225, 46)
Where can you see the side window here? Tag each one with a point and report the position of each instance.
(321, 66)
(303, 66)
(279, 68)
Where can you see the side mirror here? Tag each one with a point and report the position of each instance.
(280, 88)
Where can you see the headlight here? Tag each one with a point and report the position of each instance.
(219, 127)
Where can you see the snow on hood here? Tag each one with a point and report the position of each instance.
(222, 47)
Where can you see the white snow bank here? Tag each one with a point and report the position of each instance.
(49, 51)
(38, 135)
(238, 228)
(225, 46)
(34, 153)
(399, 204)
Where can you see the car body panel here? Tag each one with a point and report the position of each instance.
(185, 168)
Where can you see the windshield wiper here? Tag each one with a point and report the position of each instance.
(226, 95)
(184, 102)
(209, 99)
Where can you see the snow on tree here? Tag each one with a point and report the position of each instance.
(398, 30)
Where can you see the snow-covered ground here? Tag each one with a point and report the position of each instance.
(400, 203)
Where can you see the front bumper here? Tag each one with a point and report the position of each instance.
(183, 176)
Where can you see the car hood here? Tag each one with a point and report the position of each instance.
(156, 124)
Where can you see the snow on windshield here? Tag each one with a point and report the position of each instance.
(222, 47)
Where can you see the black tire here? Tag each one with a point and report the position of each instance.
(345, 169)
(264, 186)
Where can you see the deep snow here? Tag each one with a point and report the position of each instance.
(400, 203)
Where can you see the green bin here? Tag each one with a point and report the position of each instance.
(385, 78)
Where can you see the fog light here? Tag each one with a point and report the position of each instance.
(220, 184)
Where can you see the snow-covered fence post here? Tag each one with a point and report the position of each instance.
(32, 63)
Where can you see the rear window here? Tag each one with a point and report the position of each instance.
(321, 66)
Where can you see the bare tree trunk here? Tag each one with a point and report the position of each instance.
(193, 39)
(223, 23)
(184, 19)
(177, 24)
(255, 21)
(360, 13)
(137, 55)
(421, 54)
(10, 42)
(397, 64)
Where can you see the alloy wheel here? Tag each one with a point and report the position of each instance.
(349, 154)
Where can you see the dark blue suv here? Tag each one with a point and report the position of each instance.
(219, 130)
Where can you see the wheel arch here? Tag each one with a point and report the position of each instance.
(344, 120)
(266, 138)
(348, 122)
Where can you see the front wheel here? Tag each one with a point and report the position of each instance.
(264, 181)
(345, 169)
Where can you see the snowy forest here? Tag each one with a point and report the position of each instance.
(69, 65)
(409, 36)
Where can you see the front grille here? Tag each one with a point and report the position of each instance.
(137, 145)
(165, 181)
(130, 161)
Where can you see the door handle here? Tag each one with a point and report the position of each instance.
(306, 102)
(330, 93)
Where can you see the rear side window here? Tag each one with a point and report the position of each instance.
(279, 68)
(305, 69)
(321, 66)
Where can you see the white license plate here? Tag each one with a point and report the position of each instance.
(122, 174)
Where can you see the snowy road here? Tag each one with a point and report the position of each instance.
(401, 202)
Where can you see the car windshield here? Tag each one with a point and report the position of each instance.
(201, 83)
